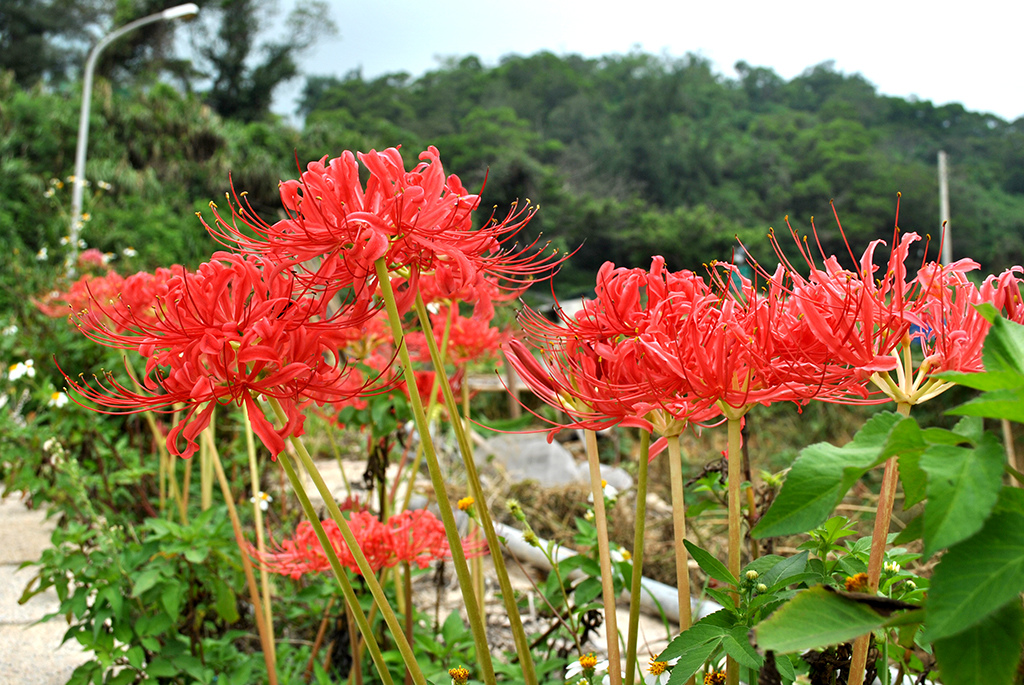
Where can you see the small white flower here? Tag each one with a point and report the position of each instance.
(129, 252)
(619, 555)
(104, 185)
(585, 663)
(11, 329)
(58, 400)
(21, 369)
(611, 493)
(65, 240)
(49, 192)
(891, 567)
(43, 254)
(3, 401)
(108, 256)
(263, 499)
(657, 671)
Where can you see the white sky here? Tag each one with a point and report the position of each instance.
(969, 53)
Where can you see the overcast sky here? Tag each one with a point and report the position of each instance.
(970, 54)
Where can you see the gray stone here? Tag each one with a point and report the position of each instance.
(616, 477)
(24, 533)
(12, 584)
(33, 655)
(532, 457)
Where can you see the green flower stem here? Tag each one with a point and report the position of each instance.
(161, 446)
(507, 593)
(732, 671)
(476, 624)
(261, 545)
(351, 600)
(675, 462)
(879, 538)
(357, 553)
(337, 456)
(604, 556)
(638, 556)
(206, 465)
(409, 611)
(250, 579)
(431, 407)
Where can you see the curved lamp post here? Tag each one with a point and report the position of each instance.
(188, 10)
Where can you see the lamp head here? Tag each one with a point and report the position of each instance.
(186, 11)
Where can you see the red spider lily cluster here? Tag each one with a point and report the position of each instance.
(412, 537)
(285, 314)
(661, 350)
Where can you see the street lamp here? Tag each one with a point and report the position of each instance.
(186, 11)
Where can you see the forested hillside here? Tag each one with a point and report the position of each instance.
(627, 156)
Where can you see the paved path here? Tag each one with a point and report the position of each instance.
(29, 654)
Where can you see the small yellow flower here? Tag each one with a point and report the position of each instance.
(466, 503)
(588, 661)
(857, 583)
(656, 667)
(714, 678)
(459, 674)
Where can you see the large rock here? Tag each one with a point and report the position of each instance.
(532, 457)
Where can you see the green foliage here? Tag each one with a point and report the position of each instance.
(816, 618)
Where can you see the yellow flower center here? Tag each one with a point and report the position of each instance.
(588, 662)
(657, 667)
(459, 675)
(465, 503)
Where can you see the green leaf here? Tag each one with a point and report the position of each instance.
(816, 618)
(785, 667)
(822, 475)
(995, 404)
(913, 531)
(986, 653)
(793, 567)
(737, 645)
(977, 576)
(711, 566)
(695, 645)
(963, 486)
(586, 591)
(226, 602)
(146, 580)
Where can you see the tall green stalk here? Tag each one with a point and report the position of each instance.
(611, 628)
(257, 508)
(357, 553)
(477, 626)
(635, 588)
(473, 478)
(351, 600)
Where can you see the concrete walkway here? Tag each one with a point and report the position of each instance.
(30, 654)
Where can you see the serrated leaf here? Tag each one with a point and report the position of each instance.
(785, 570)
(963, 486)
(821, 476)
(145, 581)
(695, 645)
(816, 618)
(913, 531)
(986, 653)
(710, 565)
(737, 645)
(977, 576)
(995, 404)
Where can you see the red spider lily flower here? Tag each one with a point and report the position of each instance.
(81, 294)
(234, 330)
(469, 338)
(415, 537)
(419, 221)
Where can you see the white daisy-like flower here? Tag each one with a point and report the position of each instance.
(49, 192)
(58, 400)
(43, 254)
(658, 671)
(11, 329)
(619, 555)
(891, 567)
(129, 252)
(263, 499)
(104, 185)
(611, 492)
(587, 664)
(21, 370)
(65, 240)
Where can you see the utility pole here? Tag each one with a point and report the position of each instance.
(947, 243)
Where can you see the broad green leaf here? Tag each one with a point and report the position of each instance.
(970, 427)
(995, 404)
(782, 572)
(816, 618)
(694, 646)
(711, 566)
(963, 486)
(914, 480)
(977, 576)
(821, 476)
(226, 602)
(913, 531)
(987, 653)
(785, 667)
(1004, 348)
(737, 645)
(146, 580)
